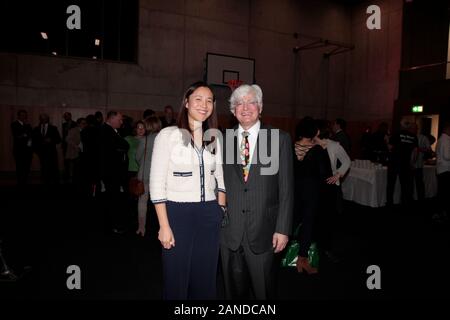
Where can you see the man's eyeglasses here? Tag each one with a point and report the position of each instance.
(249, 103)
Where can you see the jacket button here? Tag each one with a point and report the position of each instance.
(243, 211)
(245, 190)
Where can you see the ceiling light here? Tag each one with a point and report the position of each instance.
(97, 42)
(94, 57)
(54, 53)
(44, 35)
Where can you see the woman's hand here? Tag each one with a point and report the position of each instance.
(333, 179)
(165, 236)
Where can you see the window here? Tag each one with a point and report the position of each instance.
(108, 28)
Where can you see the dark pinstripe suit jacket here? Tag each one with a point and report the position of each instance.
(264, 204)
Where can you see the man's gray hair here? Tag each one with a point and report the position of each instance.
(243, 90)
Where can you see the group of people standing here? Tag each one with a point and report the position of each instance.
(123, 155)
(97, 157)
(212, 194)
(208, 208)
(405, 152)
(42, 140)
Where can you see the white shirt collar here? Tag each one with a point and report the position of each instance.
(253, 131)
(21, 123)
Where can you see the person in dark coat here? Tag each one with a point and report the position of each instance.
(168, 119)
(312, 170)
(113, 170)
(45, 139)
(66, 126)
(402, 144)
(90, 158)
(22, 151)
(341, 136)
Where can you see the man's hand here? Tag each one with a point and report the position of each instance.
(300, 151)
(279, 242)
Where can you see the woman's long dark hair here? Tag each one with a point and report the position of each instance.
(183, 118)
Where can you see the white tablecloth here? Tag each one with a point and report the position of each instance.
(368, 186)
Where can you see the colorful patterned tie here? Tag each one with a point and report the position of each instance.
(245, 155)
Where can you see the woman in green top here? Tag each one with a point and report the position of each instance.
(134, 140)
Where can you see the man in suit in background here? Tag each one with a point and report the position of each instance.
(21, 132)
(113, 170)
(90, 157)
(66, 126)
(259, 203)
(168, 119)
(340, 135)
(45, 139)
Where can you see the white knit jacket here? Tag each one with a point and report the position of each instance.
(182, 173)
(336, 152)
(443, 154)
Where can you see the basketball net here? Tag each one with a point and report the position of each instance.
(234, 83)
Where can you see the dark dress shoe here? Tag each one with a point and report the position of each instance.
(118, 231)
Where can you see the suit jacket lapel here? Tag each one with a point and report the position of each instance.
(255, 168)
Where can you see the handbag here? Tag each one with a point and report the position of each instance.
(136, 186)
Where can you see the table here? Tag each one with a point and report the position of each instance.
(367, 186)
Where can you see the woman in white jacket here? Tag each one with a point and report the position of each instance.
(337, 155)
(443, 172)
(186, 171)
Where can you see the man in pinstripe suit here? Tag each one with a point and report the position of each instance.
(259, 198)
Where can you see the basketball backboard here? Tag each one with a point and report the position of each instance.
(220, 69)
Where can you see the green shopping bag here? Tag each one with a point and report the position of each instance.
(313, 255)
(290, 257)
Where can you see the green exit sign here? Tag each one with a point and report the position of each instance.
(417, 109)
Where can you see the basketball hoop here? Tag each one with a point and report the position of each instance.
(234, 83)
